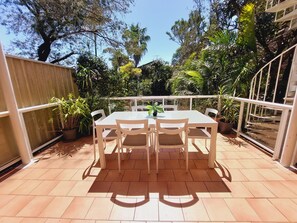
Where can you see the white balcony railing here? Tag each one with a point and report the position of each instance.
(244, 104)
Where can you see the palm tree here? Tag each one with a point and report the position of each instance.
(118, 58)
(135, 41)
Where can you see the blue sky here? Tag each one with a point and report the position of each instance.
(157, 16)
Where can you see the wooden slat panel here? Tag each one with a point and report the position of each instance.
(8, 147)
(39, 127)
(2, 101)
(35, 83)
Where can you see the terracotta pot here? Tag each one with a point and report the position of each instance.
(225, 127)
(70, 134)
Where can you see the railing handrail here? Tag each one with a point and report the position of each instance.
(262, 68)
(246, 100)
(161, 97)
(264, 103)
(4, 114)
(37, 107)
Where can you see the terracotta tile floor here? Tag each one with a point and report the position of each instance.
(67, 185)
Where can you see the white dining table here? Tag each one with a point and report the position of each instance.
(196, 119)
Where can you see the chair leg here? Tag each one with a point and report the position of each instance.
(119, 158)
(148, 159)
(187, 158)
(157, 159)
(94, 145)
(152, 142)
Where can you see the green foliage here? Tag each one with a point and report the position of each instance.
(130, 76)
(158, 72)
(56, 29)
(189, 35)
(187, 78)
(230, 110)
(129, 70)
(135, 41)
(154, 107)
(247, 35)
(92, 77)
(95, 80)
(73, 113)
(118, 58)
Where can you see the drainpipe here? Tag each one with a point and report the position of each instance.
(15, 116)
(291, 137)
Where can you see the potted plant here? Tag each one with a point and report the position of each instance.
(73, 114)
(154, 109)
(229, 117)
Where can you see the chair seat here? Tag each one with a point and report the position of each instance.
(135, 140)
(109, 134)
(169, 140)
(198, 133)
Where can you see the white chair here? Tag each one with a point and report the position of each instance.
(170, 107)
(107, 134)
(171, 134)
(133, 134)
(202, 133)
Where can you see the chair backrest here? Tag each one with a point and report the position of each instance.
(97, 113)
(139, 108)
(170, 107)
(211, 112)
(132, 127)
(172, 126)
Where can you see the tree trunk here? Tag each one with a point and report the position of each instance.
(44, 50)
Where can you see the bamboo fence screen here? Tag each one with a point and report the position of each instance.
(34, 83)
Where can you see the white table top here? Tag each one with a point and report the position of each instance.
(196, 118)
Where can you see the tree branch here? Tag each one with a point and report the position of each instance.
(63, 58)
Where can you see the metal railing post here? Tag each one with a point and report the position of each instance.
(15, 116)
(240, 118)
(291, 137)
(109, 106)
(219, 104)
(191, 101)
(281, 134)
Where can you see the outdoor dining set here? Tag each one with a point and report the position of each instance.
(171, 129)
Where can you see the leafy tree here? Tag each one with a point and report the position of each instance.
(93, 78)
(135, 42)
(130, 75)
(226, 63)
(187, 79)
(118, 58)
(129, 70)
(189, 35)
(247, 35)
(52, 26)
(158, 72)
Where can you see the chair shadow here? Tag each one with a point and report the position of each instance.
(168, 186)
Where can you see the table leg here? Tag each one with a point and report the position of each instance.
(213, 146)
(99, 131)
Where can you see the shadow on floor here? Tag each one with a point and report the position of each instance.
(173, 186)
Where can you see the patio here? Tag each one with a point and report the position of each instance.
(65, 185)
